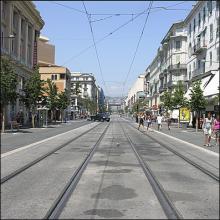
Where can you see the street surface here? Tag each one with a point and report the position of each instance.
(115, 182)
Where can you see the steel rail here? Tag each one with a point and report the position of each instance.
(168, 207)
(30, 164)
(202, 169)
(58, 205)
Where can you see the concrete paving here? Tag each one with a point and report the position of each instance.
(25, 136)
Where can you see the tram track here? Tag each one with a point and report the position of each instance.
(196, 165)
(30, 164)
(167, 205)
(58, 205)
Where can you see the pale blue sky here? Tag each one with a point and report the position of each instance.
(68, 29)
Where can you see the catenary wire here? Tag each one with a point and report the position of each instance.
(135, 53)
(93, 38)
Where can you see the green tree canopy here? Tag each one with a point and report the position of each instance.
(178, 99)
(197, 101)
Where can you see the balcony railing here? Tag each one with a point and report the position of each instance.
(199, 47)
(177, 66)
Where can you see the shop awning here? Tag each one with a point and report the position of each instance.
(212, 87)
(204, 83)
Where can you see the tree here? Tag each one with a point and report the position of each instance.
(8, 88)
(63, 102)
(197, 101)
(33, 93)
(52, 97)
(166, 99)
(178, 99)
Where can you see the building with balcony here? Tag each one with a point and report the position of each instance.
(203, 46)
(22, 20)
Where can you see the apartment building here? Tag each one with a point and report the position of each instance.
(136, 92)
(203, 46)
(168, 66)
(20, 28)
(87, 87)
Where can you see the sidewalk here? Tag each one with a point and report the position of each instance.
(186, 134)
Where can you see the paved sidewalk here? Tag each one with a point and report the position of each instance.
(186, 134)
(12, 140)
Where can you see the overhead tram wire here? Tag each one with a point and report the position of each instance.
(93, 38)
(100, 40)
(135, 53)
(130, 20)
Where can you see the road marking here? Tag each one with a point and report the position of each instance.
(185, 142)
(36, 143)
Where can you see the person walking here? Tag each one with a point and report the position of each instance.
(159, 122)
(216, 129)
(141, 121)
(148, 119)
(168, 122)
(207, 129)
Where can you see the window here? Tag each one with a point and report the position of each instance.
(199, 64)
(4, 5)
(211, 33)
(194, 65)
(194, 24)
(177, 45)
(190, 71)
(204, 15)
(210, 56)
(209, 6)
(62, 76)
(199, 20)
(2, 38)
(190, 50)
(53, 77)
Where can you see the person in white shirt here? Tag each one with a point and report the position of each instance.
(159, 122)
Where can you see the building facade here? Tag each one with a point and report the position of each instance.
(136, 92)
(203, 47)
(20, 28)
(87, 89)
(168, 66)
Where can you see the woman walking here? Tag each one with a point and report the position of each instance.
(216, 129)
(207, 128)
(148, 121)
(141, 121)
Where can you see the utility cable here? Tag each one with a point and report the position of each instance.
(103, 38)
(135, 53)
(93, 38)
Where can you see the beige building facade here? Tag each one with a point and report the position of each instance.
(20, 28)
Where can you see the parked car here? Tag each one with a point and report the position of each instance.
(100, 117)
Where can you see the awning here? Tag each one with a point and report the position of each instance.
(212, 87)
(204, 82)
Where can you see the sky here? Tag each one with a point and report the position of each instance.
(117, 59)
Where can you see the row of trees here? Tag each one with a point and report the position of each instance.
(175, 99)
(35, 91)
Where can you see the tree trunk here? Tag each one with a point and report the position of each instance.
(196, 123)
(3, 119)
(33, 122)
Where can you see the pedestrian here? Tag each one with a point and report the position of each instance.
(207, 129)
(216, 129)
(136, 117)
(159, 122)
(148, 121)
(141, 121)
(168, 122)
